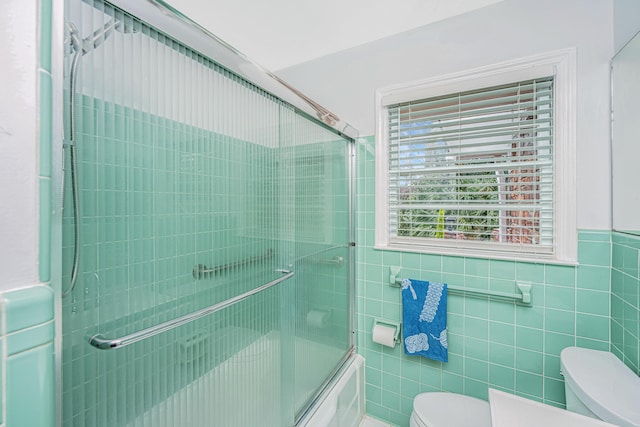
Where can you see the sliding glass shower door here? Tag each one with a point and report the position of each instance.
(315, 215)
(206, 237)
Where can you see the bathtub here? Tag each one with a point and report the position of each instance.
(244, 391)
(343, 403)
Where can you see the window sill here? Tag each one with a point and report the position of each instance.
(534, 258)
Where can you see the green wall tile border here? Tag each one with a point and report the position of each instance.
(45, 33)
(594, 235)
(45, 140)
(44, 230)
(29, 338)
(45, 128)
(27, 307)
(29, 363)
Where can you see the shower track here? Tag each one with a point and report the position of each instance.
(102, 343)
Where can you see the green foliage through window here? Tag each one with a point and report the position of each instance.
(469, 189)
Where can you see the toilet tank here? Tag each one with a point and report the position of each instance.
(599, 385)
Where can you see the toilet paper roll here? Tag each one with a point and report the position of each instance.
(384, 335)
(318, 318)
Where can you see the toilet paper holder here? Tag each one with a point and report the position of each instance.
(390, 324)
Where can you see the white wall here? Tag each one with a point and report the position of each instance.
(18, 147)
(345, 82)
(626, 18)
(281, 33)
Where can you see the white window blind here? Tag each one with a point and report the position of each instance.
(475, 166)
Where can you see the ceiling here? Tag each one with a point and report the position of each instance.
(281, 33)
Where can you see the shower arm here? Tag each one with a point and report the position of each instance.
(98, 36)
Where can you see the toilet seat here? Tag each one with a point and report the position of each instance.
(439, 409)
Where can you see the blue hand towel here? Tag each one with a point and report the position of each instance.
(424, 319)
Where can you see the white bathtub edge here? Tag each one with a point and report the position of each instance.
(343, 403)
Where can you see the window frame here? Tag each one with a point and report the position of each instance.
(561, 65)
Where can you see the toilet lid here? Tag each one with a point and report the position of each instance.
(603, 383)
(439, 409)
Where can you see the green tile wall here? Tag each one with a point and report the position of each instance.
(29, 363)
(491, 343)
(159, 197)
(625, 299)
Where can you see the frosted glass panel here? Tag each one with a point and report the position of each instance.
(315, 212)
(195, 186)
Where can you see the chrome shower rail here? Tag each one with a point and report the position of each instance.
(103, 343)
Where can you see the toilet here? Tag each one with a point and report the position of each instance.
(599, 385)
(438, 409)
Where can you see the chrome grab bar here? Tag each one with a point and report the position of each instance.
(201, 271)
(338, 260)
(102, 343)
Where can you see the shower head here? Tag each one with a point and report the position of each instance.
(91, 42)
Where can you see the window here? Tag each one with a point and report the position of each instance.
(480, 163)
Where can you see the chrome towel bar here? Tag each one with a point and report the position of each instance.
(522, 298)
(103, 343)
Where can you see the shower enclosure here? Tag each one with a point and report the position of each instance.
(207, 259)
